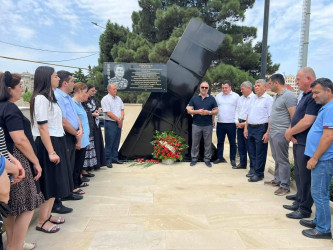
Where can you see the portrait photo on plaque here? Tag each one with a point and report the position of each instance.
(140, 77)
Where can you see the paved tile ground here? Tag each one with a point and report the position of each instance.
(177, 207)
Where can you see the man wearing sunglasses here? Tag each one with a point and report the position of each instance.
(203, 107)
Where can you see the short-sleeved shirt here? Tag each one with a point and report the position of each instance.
(208, 103)
(3, 147)
(227, 105)
(81, 112)
(12, 119)
(279, 119)
(67, 107)
(112, 104)
(243, 105)
(323, 121)
(260, 109)
(306, 106)
(50, 113)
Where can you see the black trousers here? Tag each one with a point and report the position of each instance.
(303, 179)
(78, 166)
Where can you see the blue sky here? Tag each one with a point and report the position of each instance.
(66, 26)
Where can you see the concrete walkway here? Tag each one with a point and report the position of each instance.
(177, 207)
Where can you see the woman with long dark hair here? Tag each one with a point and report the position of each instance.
(96, 140)
(25, 195)
(46, 116)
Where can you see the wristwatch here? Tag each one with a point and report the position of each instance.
(210, 112)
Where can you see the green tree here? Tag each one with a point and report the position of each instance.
(159, 25)
(227, 72)
(26, 96)
(79, 76)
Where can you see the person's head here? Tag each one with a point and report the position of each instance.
(322, 90)
(304, 78)
(226, 87)
(80, 91)
(276, 82)
(91, 90)
(246, 88)
(112, 89)
(119, 70)
(260, 87)
(204, 87)
(45, 81)
(66, 82)
(10, 87)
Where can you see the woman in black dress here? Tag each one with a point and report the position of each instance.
(46, 116)
(97, 140)
(25, 195)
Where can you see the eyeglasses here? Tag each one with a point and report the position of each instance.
(204, 87)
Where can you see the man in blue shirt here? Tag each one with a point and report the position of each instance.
(72, 127)
(319, 148)
(203, 107)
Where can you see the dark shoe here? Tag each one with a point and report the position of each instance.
(307, 223)
(297, 215)
(292, 207)
(85, 179)
(208, 164)
(255, 178)
(193, 163)
(62, 209)
(109, 165)
(271, 183)
(88, 175)
(239, 166)
(219, 161)
(281, 191)
(315, 234)
(250, 173)
(291, 197)
(72, 197)
(233, 164)
(117, 162)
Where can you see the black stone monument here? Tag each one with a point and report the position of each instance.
(167, 111)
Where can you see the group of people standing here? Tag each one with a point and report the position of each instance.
(49, 161)
(257, 119)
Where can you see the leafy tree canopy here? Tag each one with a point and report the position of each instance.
(158, 26)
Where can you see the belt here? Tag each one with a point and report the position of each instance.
(257, 125)
(109, 121)
(241, 120)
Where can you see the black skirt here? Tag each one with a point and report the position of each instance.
(99, 148)
(56, 180)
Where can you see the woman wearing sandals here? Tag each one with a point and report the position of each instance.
(25, 195)
(47, 127)
(80, 95)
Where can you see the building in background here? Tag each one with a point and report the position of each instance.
(27, 81)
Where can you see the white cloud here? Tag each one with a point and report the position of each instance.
(118, 11)
(284, 33)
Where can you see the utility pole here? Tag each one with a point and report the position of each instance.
(304, 38)
(264, 41)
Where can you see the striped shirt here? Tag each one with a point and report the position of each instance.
(3, 147)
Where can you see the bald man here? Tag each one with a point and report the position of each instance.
(305, 115)
(113, 108)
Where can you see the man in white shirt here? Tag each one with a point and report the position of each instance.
(240, 119)
(226, 102)
(113, 108)
(257, 130)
